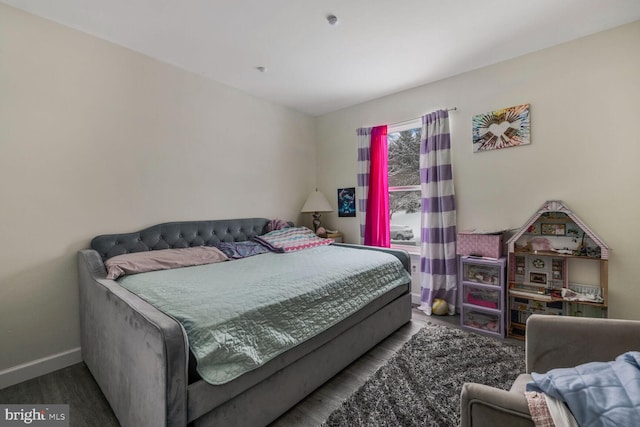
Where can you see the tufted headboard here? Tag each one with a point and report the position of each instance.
(179, 235)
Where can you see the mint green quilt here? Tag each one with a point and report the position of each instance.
(240, 314)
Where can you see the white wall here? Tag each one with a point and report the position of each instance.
(95, 138)
(585, 145)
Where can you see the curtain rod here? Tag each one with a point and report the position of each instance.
(406, 122)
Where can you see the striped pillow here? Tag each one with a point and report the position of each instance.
(291, 239)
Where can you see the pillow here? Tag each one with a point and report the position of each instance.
(140, 262)
(237, 250)
(291, 239)
(277, 224)
(549, 411)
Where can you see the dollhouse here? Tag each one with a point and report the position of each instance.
(540, 255)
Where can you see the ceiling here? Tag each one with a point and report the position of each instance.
(378, 47)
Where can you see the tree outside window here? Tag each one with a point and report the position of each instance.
(404, 185)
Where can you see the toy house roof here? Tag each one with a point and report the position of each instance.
(558, 206)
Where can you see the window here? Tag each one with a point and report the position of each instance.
(405, 204)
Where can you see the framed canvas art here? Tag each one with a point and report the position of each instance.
(509, 127)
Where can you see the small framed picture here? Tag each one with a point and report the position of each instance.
(557, 271)
(538, 263)
(520, 265)
(553, 229)
(347, 201)
(540, 278)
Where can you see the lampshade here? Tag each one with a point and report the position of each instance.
(316, 202)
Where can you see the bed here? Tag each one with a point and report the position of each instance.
(140, 356)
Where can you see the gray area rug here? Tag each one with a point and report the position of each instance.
(421, 384)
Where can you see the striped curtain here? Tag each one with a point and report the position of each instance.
(364, 161)
(438, 260)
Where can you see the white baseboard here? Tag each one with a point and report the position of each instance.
(35, 368)
(415, 299)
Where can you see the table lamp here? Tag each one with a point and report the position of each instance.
(316, 203)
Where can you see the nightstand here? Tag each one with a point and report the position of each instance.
(337, 237)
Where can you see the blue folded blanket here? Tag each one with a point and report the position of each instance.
(597, 393)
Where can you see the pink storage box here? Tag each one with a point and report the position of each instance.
(486, 245)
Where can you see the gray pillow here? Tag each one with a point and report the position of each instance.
(237, 250)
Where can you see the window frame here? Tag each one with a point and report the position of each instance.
(391, 129)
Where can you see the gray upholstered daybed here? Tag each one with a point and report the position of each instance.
(140, 356)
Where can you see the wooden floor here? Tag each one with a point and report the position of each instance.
(317, 407)
(75, 385)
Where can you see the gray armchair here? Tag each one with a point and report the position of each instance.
(551, 342)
